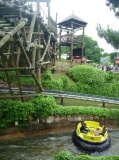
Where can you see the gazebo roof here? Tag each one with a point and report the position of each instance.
(77, 22)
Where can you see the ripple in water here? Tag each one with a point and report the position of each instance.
(46, 146)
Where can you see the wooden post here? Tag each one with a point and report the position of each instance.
(71, 43)
(46, 49)
(20, 17)
(103, 104)
(31, 32)
(18, 57)
(34, 54)
(60, 43)
(82, 46)
(61, 100)
(39, 41)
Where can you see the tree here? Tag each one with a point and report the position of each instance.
(65, 49)
(92, 50)
(111, 36)
(113, 55)
(114, 5)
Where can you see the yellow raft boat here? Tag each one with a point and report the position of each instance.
(89, 141)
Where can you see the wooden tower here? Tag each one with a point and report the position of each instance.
(71, 25)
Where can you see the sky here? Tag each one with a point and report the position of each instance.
(91, 11)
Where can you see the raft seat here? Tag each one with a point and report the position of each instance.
(92, 124)
(92, 138)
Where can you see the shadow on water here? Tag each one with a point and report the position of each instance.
(44, 147)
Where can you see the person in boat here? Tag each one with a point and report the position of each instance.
(97, 131)
(83, 128)
(103, 131)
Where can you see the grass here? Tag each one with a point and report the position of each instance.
(63, 74)
(75, 102)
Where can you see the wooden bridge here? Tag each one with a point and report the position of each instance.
(27, 44)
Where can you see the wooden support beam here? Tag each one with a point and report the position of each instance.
(18, 57)
(10, 53)
(16, 69)
(34, 55)
(23, 50)
(5, 59)
(2, 34)
(8, 79)
(31, 32)
(39, 85)
(46, 49)
(20, 17)
(5, 24)
(13, 7)
(43, 63)
(18, 96)
(11, 33)
(40, 46)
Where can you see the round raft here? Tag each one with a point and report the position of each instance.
(89, 141)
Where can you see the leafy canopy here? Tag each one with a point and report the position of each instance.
(111, 36)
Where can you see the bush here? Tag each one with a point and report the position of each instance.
(63, 155)
(11, 111)
(93, 81)
(66, 155)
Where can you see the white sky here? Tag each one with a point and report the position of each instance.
(92, 12)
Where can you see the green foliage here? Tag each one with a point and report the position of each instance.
(43, 106)
(111, 36)
(112, 56)
(66, 155)
(87, 111)
(11, 75)
(63, 155)
(27, 81)
(113, 5)
(92, 50)
(23, 112)
(13, 80)
(93, 81)
(50, 83)
(47, 75)
(11, 111)
(65, 49)
(61, 84)
(87, 74)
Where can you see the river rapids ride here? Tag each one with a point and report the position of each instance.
(89, 140)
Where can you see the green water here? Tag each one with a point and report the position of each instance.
(45, 146)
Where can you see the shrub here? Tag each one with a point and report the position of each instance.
(63, 155)
(93, 81)
(66, 155)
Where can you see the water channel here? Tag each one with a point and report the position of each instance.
(44, 147)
